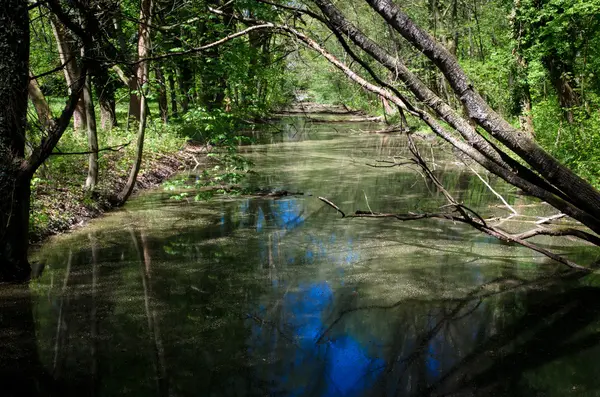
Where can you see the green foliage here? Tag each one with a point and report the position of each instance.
(577, 145)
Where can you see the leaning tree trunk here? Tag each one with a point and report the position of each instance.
(40, 104)
(72, 72)
(144, 45)
(14, 180)
(571, 187)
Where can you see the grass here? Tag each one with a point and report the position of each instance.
(58, 196)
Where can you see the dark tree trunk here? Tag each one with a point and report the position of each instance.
(134, 100)
(185, 81)
(562, 193)
(14, 176)
(172, 94)
(575, 189)
(105, 90)
(559, 76)
(163, 104)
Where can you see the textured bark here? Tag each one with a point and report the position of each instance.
(475, 146)
(144, 46)
(16, 171)
(579, 192)
(424, 94)
(136, 85)
(14, 176)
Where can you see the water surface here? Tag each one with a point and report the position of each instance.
(244, 296)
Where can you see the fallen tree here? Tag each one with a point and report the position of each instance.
(493, 143)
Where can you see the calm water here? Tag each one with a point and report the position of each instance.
(264, 297)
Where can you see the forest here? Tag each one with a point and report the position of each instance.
(103, 102)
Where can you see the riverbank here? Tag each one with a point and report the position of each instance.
(60, 203)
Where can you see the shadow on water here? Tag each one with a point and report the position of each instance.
(448, 357)
(260, 297)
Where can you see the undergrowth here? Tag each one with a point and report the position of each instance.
(58, 196)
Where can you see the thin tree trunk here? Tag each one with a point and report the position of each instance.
(72, 73)
(128, 188)
(40, 104)
(184, 76)
(172, 94)
(92, 136)
(142, 77)
(163, 104)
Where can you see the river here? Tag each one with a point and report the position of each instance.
(259, 296)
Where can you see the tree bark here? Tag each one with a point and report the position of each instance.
(185, 80)
(163, 104)
(40, 104)
(68, 58)
(172, 94)
(144, 46)
(105, 90)
(92, 135)
(128, 188)
(579, 191)
(14, 176)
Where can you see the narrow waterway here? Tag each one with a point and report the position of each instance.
(243, 296)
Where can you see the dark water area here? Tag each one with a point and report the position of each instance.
(255, 296)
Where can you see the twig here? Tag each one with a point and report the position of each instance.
(110, 149)
(492, 190)
(390, 164)
(560, 232)
(329, 203)
(56, 69)
(550, 218)
(367, 201)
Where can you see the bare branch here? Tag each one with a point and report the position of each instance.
(550, 218)
(329, 203)
(492, 190)
(116, 148)
(569, 231)
(52, 71)
(219, 42)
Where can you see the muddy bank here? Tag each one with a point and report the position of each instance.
(60, 205)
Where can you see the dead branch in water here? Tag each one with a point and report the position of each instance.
(329, 203)
(348, 120)
(462, 214)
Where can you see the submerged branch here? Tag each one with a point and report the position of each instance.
(329, 203)
(569, 231)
